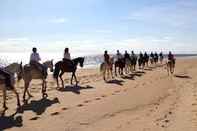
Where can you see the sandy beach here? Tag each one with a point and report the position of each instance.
(141, 101)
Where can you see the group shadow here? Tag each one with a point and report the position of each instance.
(75, 89)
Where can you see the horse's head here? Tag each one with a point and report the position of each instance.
(81, 61)
(49, 64)
(15, 68)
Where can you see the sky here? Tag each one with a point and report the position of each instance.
(92, 26)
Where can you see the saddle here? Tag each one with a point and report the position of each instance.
(68, 63)
(38, 67)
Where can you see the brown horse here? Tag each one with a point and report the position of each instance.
(67, 66)
(107, 67)
(28, 73)
(10, 70)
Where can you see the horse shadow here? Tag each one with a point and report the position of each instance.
(39, 106)
(138, 74)
(128, 77)
(183, 76)
(75, 89)
(115, 81)
(148, 69)
(7, 122)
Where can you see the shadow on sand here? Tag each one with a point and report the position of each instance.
(7, 122)
(128, 77)
(115, 81)
(183, 76)
(75, 89)
(39, 106)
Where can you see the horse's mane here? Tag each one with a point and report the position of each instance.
(12, 67)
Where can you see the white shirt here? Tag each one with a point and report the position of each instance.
(67, 56)
(35, 57)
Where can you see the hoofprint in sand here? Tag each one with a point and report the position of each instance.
(149, 101)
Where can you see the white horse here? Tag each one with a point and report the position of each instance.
(28, 73)
(11, 70)
(128, 66)
(170, 66)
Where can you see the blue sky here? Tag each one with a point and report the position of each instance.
(95, 25)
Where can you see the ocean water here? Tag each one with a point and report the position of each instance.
(91, 61)
(9, 57)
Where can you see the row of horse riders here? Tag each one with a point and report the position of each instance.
(154, 57)
(67, 65)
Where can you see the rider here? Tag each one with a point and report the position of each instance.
(126, 56)
(156, 57)
(161, 56)
(152, 55)
(106, 57)
(67, 58)
(146, 57)
(67, 54)
(171, 57)
(133, 56)
(119, 56)
(35, 61)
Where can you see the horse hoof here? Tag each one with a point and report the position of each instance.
(25, 101)
(5, 107)
(45, 95)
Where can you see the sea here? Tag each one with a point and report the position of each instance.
(91, 61)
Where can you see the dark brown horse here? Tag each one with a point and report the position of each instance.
(67, 66)
(120, 64)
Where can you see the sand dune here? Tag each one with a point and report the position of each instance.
(142, 101)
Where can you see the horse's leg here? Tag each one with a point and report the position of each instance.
(115, 71)
(17, 96)
(62, 79)
(111, 71)
(44, 94)
(25, 90)
(104, 74)
(75, 78)
(4, 98)
(29, 94)
(168, 69)
(71, 80)
(108, 70)
(57, 83)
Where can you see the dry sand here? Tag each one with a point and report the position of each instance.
(150, 101)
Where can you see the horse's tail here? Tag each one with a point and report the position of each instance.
(102, 67)
(20, 74)
(57, 70)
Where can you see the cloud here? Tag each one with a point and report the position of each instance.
(58, 20)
